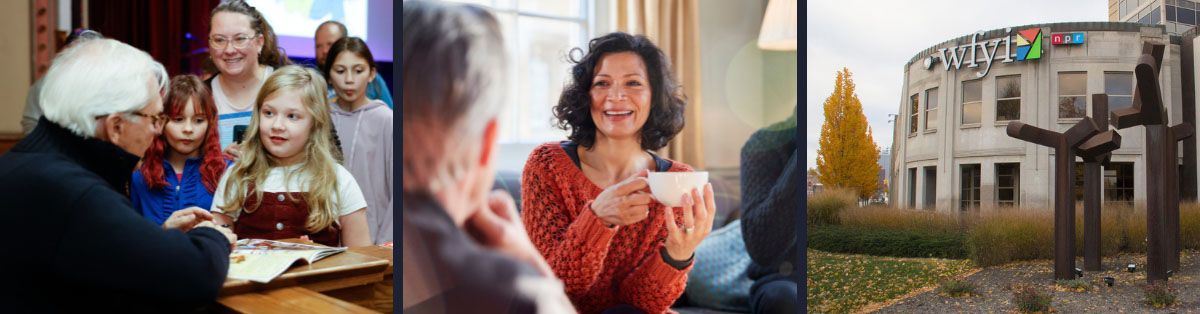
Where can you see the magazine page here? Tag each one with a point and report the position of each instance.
(262, 260)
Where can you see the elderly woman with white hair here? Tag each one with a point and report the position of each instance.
(465, 250)
(62, 187)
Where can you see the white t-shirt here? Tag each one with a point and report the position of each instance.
(349, 197)
(228, 115)
(226, 106)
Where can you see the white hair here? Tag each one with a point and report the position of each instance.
(98, 77)
(454, 82)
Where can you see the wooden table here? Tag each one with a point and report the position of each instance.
(353, 281)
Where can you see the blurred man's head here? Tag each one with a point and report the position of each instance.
(327, 34)
(105, 89)
(454, 82)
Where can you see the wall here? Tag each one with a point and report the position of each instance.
(744, 88)
(732, 78)
(15, 47)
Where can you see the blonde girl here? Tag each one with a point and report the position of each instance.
(287, 183)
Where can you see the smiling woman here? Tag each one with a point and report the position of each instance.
(612, 244)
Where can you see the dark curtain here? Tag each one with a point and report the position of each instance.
(174, 32)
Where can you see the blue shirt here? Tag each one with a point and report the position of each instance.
(158, 204)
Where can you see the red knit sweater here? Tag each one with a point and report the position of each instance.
(600, 267)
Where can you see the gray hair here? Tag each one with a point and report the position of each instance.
(455, 66)
(98, 77)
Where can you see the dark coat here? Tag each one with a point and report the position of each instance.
(76, 243)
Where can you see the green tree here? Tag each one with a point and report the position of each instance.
(847, 156)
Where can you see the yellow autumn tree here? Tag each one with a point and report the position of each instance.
(847, 156)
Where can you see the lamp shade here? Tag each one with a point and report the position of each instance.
(779, 26)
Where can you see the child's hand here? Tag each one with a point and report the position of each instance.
(233, 152)
(229, 235)
(187, 218)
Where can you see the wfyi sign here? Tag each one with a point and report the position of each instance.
(1028, 47)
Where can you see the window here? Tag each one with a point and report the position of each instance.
(1118, 182)
(931, 108)
(969, 187)
(1008, 184)
(1155, 16)
(1124, 9)
(1008, 98)
(930, 187)
(912, 187)
(1185, 16)
(1171, 13)
(972, 101)
(1072, 94)
(538, 35)
(915, 113)
(1119, 87)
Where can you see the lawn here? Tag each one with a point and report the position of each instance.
(841, 283)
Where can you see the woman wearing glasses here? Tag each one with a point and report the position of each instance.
(243, 47)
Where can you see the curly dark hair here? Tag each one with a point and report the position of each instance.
(667, 102)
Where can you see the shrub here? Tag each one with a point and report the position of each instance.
(957, 287)
(886, 242)
(1031, 300)
(1112, 228)
(876, 217)
(1076, 285)
(824, 207)
(1159, 295)
(1010, 236)
(1189, 225)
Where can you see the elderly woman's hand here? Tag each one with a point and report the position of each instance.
(624, 203)
(697, 223)
(187, 218)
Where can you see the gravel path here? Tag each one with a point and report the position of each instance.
(994, 288)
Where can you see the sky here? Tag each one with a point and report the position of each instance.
(874, 39)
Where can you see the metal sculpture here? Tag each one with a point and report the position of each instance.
(1095, 151)
(1162, 178)
(1064, 145)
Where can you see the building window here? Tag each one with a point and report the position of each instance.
(1008, 184)
(537, 34)
(930, 187)
(915, 113)
(1008, 98)
(912, 187)
(969, 187)
(1124, 9)
(1155, 16)
(1171, 13)
(972, 101)
(1118, 182)
(1185, 16)
(931, 107)
(1072, 94)
(1119, 87)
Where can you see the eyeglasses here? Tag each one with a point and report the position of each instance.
(157, 120)
(239, 42)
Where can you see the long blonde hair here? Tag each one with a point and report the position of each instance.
(251, 169)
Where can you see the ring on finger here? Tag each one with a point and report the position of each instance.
(688, 230)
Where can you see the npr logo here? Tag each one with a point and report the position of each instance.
(1066, 38)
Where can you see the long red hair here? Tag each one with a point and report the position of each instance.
(184, 88)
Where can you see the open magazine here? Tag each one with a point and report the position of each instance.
(262, 260)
